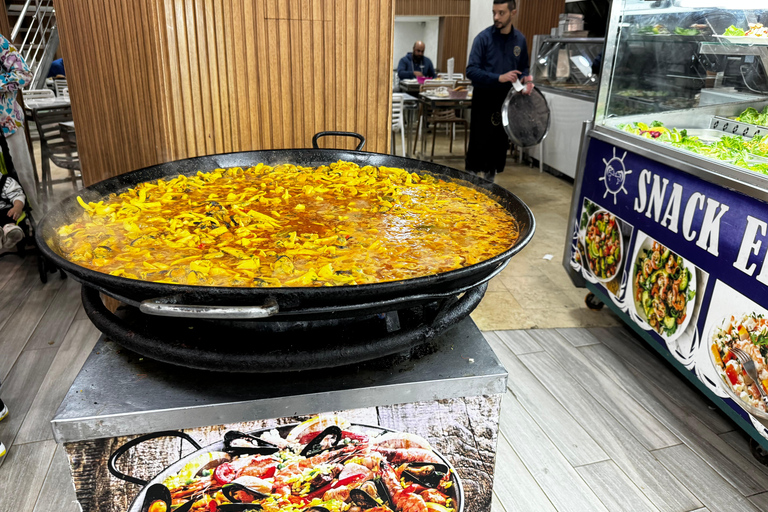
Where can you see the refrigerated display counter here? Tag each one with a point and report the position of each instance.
(669, 214)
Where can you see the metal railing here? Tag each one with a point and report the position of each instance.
(41, 39)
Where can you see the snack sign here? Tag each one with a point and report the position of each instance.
(684, 262)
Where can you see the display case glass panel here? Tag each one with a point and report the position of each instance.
(690, 74)
(568, 63)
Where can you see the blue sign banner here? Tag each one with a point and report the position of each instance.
(683, 260)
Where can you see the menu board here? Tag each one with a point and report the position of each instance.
(684, 262)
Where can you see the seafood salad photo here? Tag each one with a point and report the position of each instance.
(603, 245)
(663, 288)
(322, 465)
(749, 333)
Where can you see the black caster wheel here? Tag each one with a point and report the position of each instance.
(758, 452)
(593, 302)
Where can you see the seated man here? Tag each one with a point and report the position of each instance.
(415, 64)
(57, 69)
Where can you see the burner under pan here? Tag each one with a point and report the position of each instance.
(273, 346)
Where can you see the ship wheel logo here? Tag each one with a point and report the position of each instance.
(615, 175)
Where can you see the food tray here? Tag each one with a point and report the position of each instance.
(749, 40)
(732, 127)
(707, 136)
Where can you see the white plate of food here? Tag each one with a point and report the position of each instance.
(663, 289)
(603, 245)
(749, 332)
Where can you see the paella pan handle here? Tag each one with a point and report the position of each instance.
(169, 306)
(135, 442)
(339, 134)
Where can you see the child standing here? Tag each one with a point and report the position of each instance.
(12, 201)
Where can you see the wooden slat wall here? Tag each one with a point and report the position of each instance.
(432, 7)
(159, 80)
(537, 17)
(454, 27)
(453, 42)
(5, 25)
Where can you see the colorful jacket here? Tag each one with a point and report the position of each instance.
(14, 74)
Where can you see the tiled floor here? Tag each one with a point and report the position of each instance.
(592, 420)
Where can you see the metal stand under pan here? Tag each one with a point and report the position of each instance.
(268, 346)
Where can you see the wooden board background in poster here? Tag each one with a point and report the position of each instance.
(153, 81)
(464, 430)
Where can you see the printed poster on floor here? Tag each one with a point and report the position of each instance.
(438, 454)
(684, 261)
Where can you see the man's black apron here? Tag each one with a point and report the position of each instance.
(488, 142)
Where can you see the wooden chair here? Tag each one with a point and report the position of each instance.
(448, 117)
(425, 87)
(54, 148)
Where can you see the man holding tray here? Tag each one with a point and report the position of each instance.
(498, 59)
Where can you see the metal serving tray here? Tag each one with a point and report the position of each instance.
(732, 127)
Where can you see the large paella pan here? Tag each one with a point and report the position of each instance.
(286, 302)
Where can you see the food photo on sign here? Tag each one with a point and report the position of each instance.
(735, 333)
(333, 462)
(666, 295)
(601, 243)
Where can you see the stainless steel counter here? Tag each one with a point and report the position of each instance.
(568, 112)
(119, 393)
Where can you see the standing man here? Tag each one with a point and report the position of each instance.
(415, 64)
(499, 57)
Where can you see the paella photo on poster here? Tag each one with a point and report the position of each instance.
(734, 349)
(377, 458)
(601, 242)
(665, 292)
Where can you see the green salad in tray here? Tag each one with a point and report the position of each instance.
(733, 30)
(745, 153)
(752, 116)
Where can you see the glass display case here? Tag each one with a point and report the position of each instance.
(677, 55)
(669, 217)
(565, 70)
(568, 64)
(684, 65)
